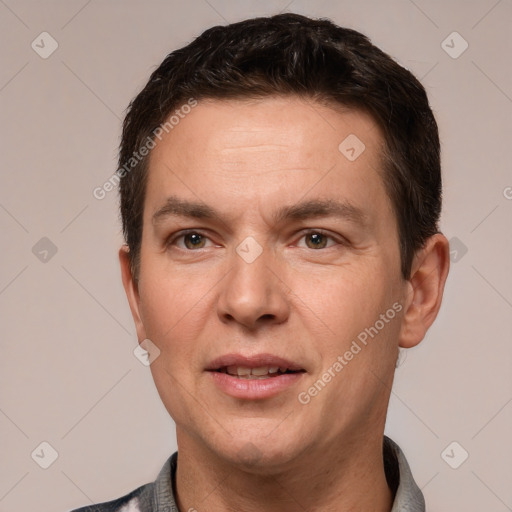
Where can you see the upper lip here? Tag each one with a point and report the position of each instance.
(252, 361)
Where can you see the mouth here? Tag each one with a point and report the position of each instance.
(256, 373)
(254, 377)
(254, 366)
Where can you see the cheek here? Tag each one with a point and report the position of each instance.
(173, 308)
(343, 298)
(347, 306)
(173, 315)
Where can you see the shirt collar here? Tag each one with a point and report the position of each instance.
(408, 497)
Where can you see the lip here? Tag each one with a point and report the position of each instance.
(257, 389)
(253, 361)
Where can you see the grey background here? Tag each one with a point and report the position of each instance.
(68, 373)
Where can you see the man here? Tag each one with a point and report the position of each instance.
(280, 195)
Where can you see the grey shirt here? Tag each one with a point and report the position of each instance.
(158, 496)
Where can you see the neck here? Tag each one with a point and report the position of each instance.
(349, 477)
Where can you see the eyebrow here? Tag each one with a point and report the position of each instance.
(314, 208)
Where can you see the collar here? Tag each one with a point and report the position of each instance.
(408, 496)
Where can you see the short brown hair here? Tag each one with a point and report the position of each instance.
(290, 54)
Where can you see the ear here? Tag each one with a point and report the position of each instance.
(132, 291)
(425, 290)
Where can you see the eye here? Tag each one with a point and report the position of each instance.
(192, 240)
(316, 239)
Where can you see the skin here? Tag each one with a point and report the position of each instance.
(306, 303)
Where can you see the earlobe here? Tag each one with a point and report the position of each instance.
(425, 290)
(131, 289)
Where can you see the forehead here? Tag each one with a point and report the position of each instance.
(239, 153)
(217, 127)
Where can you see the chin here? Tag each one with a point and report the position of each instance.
(259, 455)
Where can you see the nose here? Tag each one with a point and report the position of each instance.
(252, 294)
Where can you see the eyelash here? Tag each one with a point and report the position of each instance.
(174, 237)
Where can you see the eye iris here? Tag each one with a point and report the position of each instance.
(318, 239)
(194, 238)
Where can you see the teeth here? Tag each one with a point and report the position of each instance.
(262, 372)
(242, 372)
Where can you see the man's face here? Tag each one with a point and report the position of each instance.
(262, 290)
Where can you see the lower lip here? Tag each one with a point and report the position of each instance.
(254, 389)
